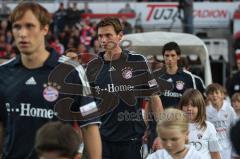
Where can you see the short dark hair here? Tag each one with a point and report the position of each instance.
(171, 46)
(57, 137)
(39, 11)
(111, 21)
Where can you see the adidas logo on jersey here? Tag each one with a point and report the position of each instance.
(112, 69)
(31, 81)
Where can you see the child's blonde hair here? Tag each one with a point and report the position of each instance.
(173, 118)
(195, 98)
(236, 97)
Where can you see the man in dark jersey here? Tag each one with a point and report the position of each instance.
(181, 79)
(121, 74)
(28, 96)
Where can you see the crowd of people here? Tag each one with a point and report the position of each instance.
(67, 30)
(45, 91)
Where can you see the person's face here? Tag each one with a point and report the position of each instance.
(108, 38)
(173, 140)
(216, 98)
(191, 111)
(28, 34)
(236, 104)
(171, 58)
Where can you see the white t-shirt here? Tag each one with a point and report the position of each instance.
(204, 140)
(222, 120)
(163, 154)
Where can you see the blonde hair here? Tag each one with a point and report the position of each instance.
(173, 118)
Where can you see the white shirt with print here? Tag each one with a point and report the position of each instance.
(204, 140)
(222, 120)
(163, 154)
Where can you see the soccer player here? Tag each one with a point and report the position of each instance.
(181, 79)
(27, 98)
(122, 127)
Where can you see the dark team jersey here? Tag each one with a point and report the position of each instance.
(124, 122)
(233, 85)
(27, 100)
(181, 81)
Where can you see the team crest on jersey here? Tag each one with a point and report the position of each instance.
(179, 85)
(127, 73)
(50, 92)
(199, 136)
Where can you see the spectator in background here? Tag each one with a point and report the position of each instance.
(127, 9)
(187, 7)
(76, 13)
(85, 9)
(233, 84)
(56, 140)
(73, 15)
(84, 52)
(4, 10)
(86, 34)
(55, 43)
(127, 27)
(59, 19)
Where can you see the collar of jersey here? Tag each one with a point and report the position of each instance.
(51, 61)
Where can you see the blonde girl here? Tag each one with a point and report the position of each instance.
(202, 134)
(172, 129)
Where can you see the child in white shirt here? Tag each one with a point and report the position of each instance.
(236, 103)
(202, 134)
(222, 115)
(172, 129)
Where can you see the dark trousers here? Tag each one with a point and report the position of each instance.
(121, 150)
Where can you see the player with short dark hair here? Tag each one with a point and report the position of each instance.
(181, 79)
(123, 126)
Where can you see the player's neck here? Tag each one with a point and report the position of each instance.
(180, 154)
(172, 70)
(218, 106)
(112, 54)
(35, 60)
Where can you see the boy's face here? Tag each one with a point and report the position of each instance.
(216, 98)
(236, 104)
(171, 58)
